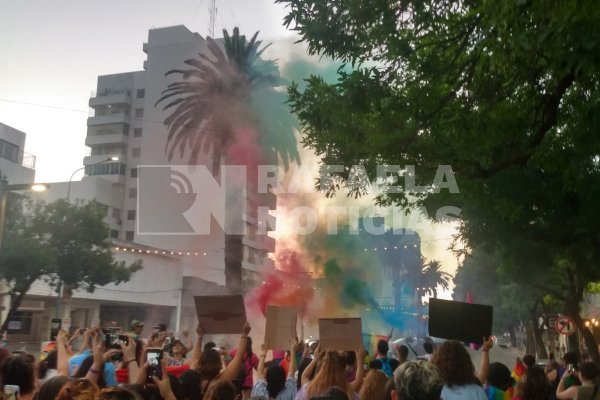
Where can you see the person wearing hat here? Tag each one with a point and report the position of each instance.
(136, 328)
(177, 354)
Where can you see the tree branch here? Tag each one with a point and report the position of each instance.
(550, 116)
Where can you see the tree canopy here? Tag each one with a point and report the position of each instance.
(503, 92)
(59, 242)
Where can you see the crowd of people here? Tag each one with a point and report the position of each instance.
(108, 366)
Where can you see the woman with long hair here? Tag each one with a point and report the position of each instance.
(209, 364)
(458, 372)
(374, 386)
(244, 381)
(273, 384)
(534, 385)
(331, 373)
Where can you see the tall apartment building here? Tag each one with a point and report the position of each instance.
(126, 124)
(15, 165)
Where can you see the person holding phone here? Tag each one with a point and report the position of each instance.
(95, 368)
(154, 358)
(588, 390)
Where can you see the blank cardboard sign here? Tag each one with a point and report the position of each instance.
(281, 327)
(340, 333)
(221, 314)
(465, 322)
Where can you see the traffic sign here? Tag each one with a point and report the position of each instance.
(565, 325)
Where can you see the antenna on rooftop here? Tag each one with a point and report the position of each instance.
(212, 11)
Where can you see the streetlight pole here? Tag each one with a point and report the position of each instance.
(113, 158)
(59, 287)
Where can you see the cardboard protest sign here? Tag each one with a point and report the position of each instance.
(221, 314)
(281, 327)
(340, 333)
(465, 322)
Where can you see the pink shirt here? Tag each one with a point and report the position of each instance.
(248, 363)
(278, 354)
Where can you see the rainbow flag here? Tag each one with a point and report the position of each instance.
(493, 393)
(518, 371)
(370, 341)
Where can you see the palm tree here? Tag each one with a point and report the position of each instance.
(434, 276)
(219, 97)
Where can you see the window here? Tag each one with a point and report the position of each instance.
(107, 148)
(136, 152)
(130, 215)
(9, 151)
(116, 213)
(139, 113)
(129, 236)
(108, 129)
(20, 323)
(114, 234)
(137, 132)
(133, 193)
(105, 169)
(140, 93)
(133, 173)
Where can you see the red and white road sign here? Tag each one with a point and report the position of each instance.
(565, 325)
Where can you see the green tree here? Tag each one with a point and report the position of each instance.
(504, 92)
(59, 242)
(214, 101)
(482, 278)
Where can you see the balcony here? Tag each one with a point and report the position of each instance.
(115, 98)
(107, 119)
(263, 242)
(104, 139)
(87, 160)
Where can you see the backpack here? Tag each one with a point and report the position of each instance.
(386, 368)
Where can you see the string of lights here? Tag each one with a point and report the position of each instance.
(132, 249)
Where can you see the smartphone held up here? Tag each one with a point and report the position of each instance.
(154, 361)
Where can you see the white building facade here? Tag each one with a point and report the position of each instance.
(16, 165)
(126, 124)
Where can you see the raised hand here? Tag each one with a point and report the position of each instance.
(246, 330)
(61, 338)
(361, 354)
(295, 347)
(487, 343)
(199, 330)
(128, 349)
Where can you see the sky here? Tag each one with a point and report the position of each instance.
(53, 52)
